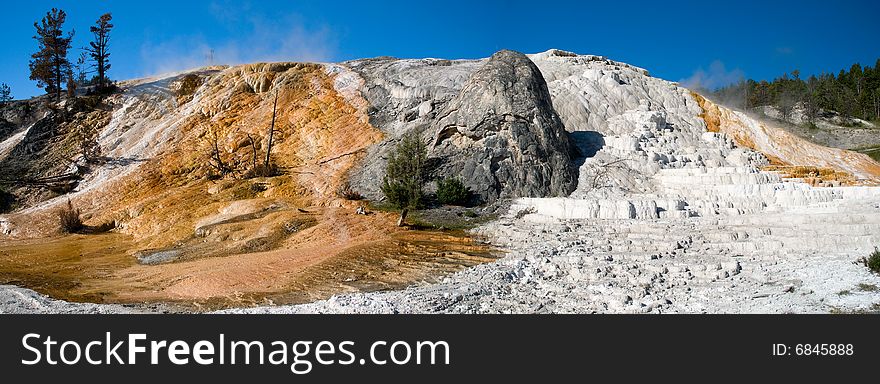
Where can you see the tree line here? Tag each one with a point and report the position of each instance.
(50, 66)
(854, 92)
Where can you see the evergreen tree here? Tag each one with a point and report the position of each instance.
(98, 48)
(405, 175)
(811, 99)
(5, 94)
(82, 69)
(854, 92)
(71, 84)
(877, 104)
(49, 65)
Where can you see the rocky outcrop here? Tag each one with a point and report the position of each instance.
(402, 95)
(501, 135)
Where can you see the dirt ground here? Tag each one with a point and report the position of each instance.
(341, 252)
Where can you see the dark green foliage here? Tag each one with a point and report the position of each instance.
(5, 94)
(49, 65)
(874, 153)
(855, 93)
(452, 191)
(405, 174)
(873, 261)
(99, 48)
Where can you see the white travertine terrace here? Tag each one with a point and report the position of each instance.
(667, 217)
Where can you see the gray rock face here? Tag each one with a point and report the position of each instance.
(404, 94)
(501, 135)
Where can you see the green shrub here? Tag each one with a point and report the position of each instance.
(873, 261)
(452, 191)
(405, 173)
(873, 153)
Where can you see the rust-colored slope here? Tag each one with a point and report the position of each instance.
(237, 240)
(319, 137)
(788, 153)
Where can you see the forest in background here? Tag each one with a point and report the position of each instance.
(854, 92)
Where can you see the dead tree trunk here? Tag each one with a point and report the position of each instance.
(215, 159)
(221, 166)
(253, 152)
(271, 131)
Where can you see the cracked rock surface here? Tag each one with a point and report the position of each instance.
(502, 136)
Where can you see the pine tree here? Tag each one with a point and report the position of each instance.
(856, 77)
(405, 175)
(71, 84)
(811, 99)
(5, 94)
(98, 48)
(853, 92)
(82, 69)
(877, 104)
(49, 65)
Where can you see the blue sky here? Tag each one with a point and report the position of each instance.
(711, 42)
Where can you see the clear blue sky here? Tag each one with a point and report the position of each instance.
(712, 42)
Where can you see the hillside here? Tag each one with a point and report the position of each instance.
(626, 193)
(156, 185)
(841, 111)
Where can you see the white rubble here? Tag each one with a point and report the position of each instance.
(800, 259)
(22, 300)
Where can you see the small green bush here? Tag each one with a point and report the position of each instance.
(452, 191)
(402, 195)
(873, 261)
